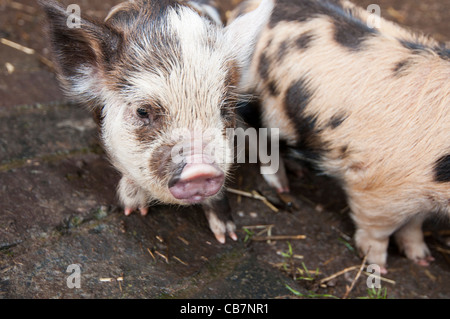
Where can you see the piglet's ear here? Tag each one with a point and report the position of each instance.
(242, 33)
(81, 47)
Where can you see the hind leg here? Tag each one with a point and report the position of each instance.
(410, 240)
(277, 180)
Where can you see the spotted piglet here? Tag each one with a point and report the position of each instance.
(367, 105)
(161, 79)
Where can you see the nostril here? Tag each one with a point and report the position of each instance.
(174, 180)
(176, 176)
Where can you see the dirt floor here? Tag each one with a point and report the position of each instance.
(59, 208)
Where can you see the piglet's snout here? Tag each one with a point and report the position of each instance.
(198, 180)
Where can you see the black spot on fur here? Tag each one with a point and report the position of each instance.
(443, 52)
(273, 88)
(417, 48)
(264, 73)
(343, 151)
(336, 120)
(300, 10)
(401, 67)
(442, 169)
(296, 101)
(282, 50)
(349, 31)
(297, 98)
(414, 47)
(304, 40)
(263, 67)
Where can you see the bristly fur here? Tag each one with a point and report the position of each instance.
(375, 101)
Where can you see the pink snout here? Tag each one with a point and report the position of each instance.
(196, 182)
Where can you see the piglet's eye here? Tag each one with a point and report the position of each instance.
(142, 112)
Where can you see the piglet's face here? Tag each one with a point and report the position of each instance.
(167, 103)
(161, 79)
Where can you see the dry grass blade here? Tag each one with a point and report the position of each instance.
(184, 241)
(351, 268)
(162, 256)
(151, 254)
(106, 279)
(179, 260)
(265, 201)
(349, 289)
(279, 237)
(255, 195)
(390, 281)
(17, 46)
(29, 51)
(339, 273)
(46, 62)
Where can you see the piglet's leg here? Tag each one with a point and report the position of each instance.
(277, 180)
(410, 241)
(218, 213)
(272, 167)
(373, 242)
(132, 197)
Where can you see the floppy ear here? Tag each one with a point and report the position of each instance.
(80, 51)
(243, 33)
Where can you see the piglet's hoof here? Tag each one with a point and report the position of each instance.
(218, 214)
(425, 262)
(143, 211)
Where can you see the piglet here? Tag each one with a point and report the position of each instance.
(161, 80)
(366, 102)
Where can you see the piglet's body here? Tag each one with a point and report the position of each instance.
(161, 79)
(369, 106)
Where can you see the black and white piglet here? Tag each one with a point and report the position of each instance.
(161, 79)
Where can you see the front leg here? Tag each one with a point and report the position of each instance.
(132, 196)
(218, 213)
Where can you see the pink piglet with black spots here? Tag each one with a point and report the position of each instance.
(367, 104)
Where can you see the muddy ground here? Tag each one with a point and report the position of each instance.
(58, 205)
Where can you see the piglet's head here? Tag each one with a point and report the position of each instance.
(162, 80)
